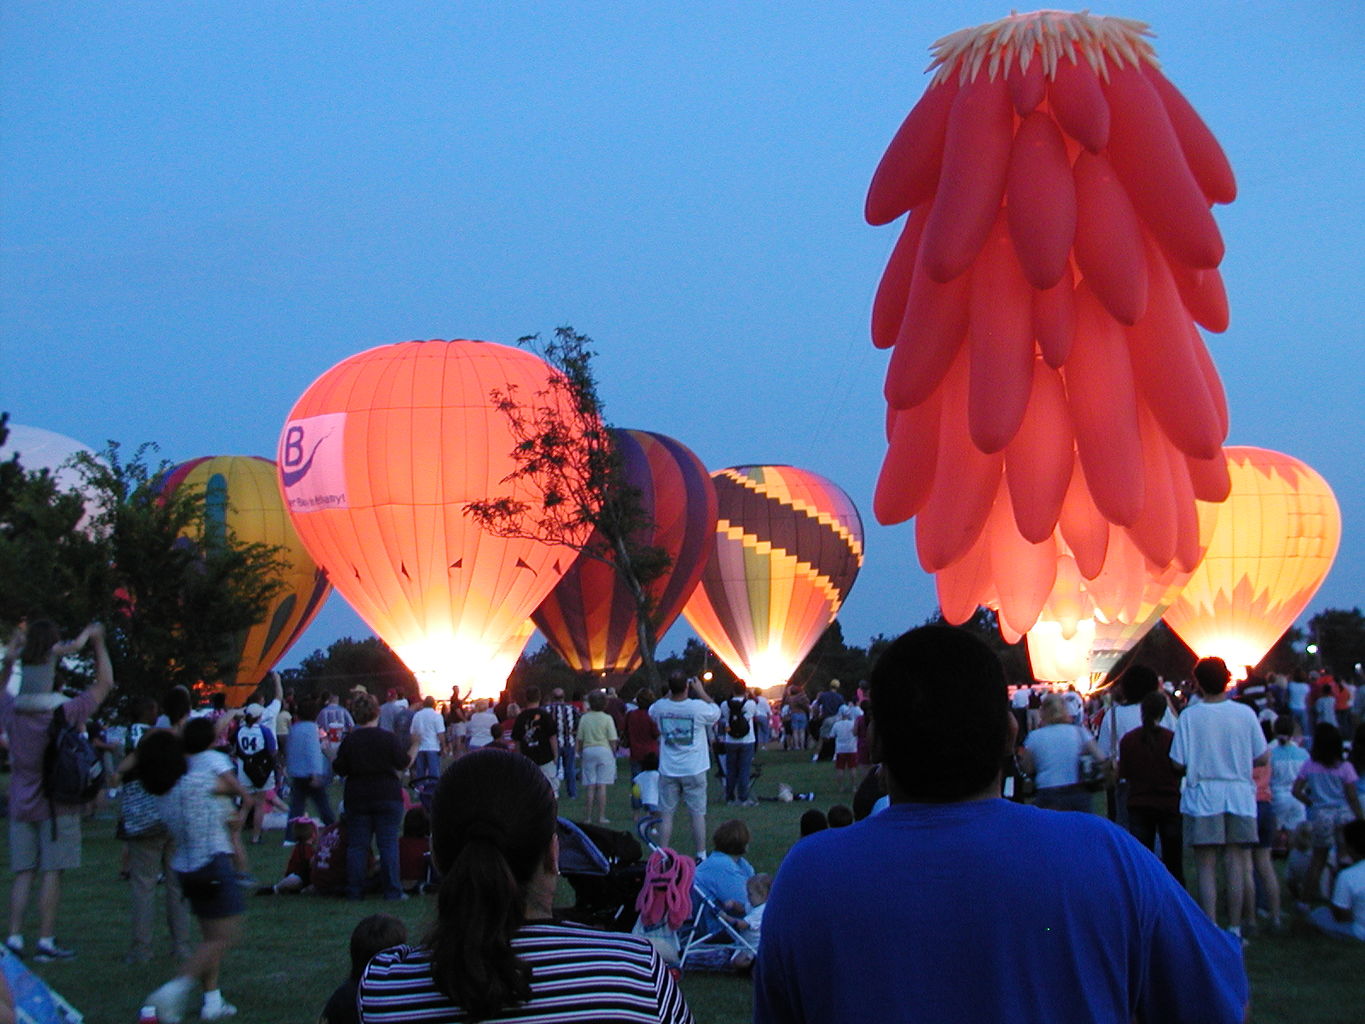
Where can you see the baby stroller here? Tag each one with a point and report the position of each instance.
(682, 919)
(604, 869)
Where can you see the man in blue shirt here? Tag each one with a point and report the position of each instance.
(956, 905)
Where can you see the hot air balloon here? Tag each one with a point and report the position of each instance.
(1047, 380)
(590, 617)
(787, 547)
(242, 497)
(40, 449)
(379, 459)
(1275, 540)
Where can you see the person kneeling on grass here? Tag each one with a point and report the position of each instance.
(192, 804)
(1346, 917)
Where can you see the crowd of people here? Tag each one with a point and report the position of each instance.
(460, 799)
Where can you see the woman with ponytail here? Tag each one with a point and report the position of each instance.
(495, 952)
(1153, 785)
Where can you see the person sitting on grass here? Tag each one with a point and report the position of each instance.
(813, 821)
(298, 872)
(371, 936)
(840, 816)
(723, 874)
(495, 951)
(1345, 918)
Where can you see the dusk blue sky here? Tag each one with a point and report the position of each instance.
(203, 206)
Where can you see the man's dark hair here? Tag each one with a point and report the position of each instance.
(940, 713)
(1212, 675)
(813, 821)
(677, 683)
(840, 816)
(199, 734)
(532, 695)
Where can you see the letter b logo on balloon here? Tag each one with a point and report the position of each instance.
(312, 466)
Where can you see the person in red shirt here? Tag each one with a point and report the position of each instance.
(1153, 786)
(641, 733)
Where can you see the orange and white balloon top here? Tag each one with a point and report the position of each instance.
(1275, 541)
(379, 459)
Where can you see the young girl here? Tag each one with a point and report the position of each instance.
(43, 647)
(1327, 785)
(193, 794)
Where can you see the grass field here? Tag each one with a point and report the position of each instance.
(294, 950)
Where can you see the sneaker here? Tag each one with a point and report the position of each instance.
(15, 944)
(247, 881)
(47, 952)
(222, 1011)
(289, 842)
(170, 1000)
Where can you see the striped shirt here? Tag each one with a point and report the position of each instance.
(577, 974)
(566, 723)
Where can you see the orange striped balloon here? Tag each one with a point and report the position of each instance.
(787, 548)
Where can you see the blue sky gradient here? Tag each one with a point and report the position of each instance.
(205, 205)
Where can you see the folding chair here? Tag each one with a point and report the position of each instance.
(707, 939)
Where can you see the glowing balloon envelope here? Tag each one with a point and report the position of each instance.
(1047, 380)
(787, 547)
(590, 617)
(378, 460)
(1276, 538)
(40, 449)
(242, 497)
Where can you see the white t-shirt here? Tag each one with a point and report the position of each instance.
(683, 747)
(1298, 696)
(1217, 741)
(1020, 698)
(481, 726)
(749, 709)
(1349, 894)
(845, 742)
(427, 725)
(1056, 751)
(649, 788)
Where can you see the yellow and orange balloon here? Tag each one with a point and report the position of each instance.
(378, 461)
(786, 549)
(242, 497)
(1048, 390)
(1273, 545)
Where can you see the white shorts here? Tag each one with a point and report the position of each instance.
(599, 766)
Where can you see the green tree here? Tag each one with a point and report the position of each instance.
(50, 565)
(177, 588)
(1340, 636)
(347, 663)
(564, 451)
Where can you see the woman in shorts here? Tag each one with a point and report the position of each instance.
(195, 801)
(597, 741)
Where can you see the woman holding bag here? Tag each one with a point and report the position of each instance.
(1052, 755)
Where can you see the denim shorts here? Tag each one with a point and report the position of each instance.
(212, 889)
